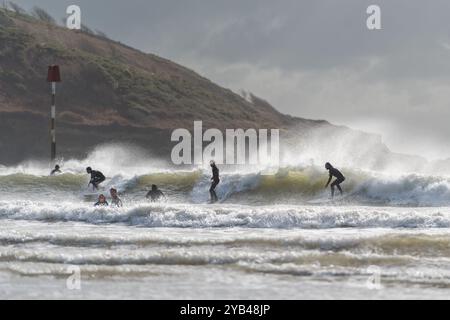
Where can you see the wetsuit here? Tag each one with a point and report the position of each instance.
(101, 204)
(339, 179)
(215, 181)
(55, 171)
(155, 195)
(96, 178)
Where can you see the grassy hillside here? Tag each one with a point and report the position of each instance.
(107, 83)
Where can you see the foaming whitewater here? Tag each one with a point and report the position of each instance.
(291, 185)
(229, 216)
(276, 236)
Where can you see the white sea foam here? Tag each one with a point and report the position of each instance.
(203, 216)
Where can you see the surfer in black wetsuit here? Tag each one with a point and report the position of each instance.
(155, 194)
(55, 171)
(339, 178)
(215, 181)
(96, 178)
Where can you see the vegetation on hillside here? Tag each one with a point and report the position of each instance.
(116, 83)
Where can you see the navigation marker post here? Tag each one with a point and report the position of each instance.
(53, 77)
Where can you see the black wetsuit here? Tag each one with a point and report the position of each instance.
(339, 179)
(101, 204)
(155, 195)
(96, 178)
(55, 171)
(215, 181)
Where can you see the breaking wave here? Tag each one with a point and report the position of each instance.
(132, 172)
(230, 216)
(289, 186)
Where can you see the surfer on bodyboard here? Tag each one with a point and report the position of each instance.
(96, 178)
(339, 178)
(215, 181)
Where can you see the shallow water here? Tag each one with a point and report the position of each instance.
(139, 258)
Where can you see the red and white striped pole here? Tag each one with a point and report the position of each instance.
(53, 123)
(53, 77)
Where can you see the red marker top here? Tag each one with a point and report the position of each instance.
(53, 74)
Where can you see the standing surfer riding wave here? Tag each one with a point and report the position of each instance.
(215, 181)
(339, 178)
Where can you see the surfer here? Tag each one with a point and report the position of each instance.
(155, 194)
(339, 178)
(215, 181)
(101, 201)
(115, 198)
(55, 171)
(96, 178)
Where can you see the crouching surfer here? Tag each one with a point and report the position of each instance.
(96, 178)
(339, 178)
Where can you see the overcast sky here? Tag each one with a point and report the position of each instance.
(310, 58)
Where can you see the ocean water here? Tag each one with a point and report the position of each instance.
(271, 237)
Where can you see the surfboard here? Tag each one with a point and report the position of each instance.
(329, 200)
(217, 202)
